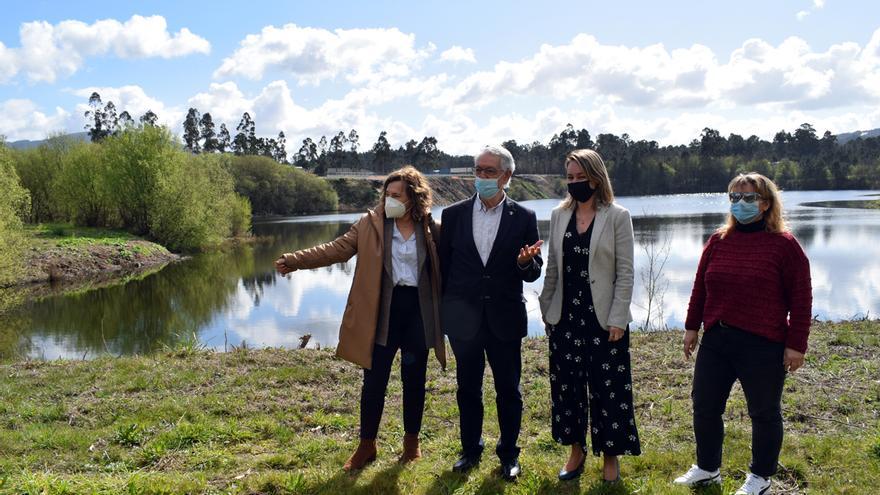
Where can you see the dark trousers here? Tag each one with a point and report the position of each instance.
(405, 332)
(728, 354)
(590, 378)
(504, 358)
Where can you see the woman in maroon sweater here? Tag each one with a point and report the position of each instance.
(753, 297)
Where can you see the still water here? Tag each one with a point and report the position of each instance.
(235, 297)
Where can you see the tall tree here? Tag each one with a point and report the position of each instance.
(382, 154)
(224, 142)
(245, 141)
(125, 120)
(207, 134)
(191, 131)
(98, 124)
(279, 151)
(584, 141)
(149, 119)
(307, 154)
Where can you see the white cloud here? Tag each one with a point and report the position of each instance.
(458, 54)
(48, 51)
(802, 14)
(790, 74)
(312, 54)
(629, 75)
(22, 119)
(819, 3)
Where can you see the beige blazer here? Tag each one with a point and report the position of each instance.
(366, 314)
(611, 266)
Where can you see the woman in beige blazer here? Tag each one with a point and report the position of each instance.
(393, 303)
(585, 305)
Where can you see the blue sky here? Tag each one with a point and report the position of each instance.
(468, 73)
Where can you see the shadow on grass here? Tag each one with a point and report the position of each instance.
(384, 482)
(447, 483)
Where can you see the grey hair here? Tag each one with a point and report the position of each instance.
(507, 162)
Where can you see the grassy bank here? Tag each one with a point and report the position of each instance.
(284, 421)
(64, 253)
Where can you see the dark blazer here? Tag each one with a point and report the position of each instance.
(469, 288)
(426, 287)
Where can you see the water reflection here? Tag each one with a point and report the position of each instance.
(237, 297)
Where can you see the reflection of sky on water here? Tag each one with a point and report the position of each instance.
(247, 301)
(843, 246)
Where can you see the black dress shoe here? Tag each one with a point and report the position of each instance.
(466, 463)
(574, 473)
(510, 470)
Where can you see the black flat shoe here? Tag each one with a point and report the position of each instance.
(510, 471)
(466, 463)
(574, 473)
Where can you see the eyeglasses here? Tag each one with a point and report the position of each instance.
(487, 172)
(748, 197)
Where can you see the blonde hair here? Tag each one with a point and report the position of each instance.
(592, 164)
(416, 187)
(769, 195)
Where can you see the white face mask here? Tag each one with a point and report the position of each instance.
(394, 208)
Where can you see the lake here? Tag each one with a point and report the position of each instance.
(235, 298)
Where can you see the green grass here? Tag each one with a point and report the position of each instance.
(276, 421)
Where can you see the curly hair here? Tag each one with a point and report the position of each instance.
(416, 187)
(773, 219)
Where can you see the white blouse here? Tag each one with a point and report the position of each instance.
(404, 259)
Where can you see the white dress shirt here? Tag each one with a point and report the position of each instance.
(486, 223)
(404, 259)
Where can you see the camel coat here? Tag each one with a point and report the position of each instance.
(366, 312)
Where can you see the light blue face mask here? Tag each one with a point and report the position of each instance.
(486, 188)
(744, 212)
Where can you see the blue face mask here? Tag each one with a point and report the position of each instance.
(744, 212)
(486, 188)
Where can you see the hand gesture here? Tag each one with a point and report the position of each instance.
(282, 267)
(526, 253)
(792, 360)
(691, 337)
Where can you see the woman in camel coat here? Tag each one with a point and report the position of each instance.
(393, 303)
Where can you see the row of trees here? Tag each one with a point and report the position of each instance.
(200, 133)
(797, 160)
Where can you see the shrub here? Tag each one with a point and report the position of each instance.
(38, 169)
(81, 188)
(136, 161)
(14, 205)
(195, 205)
(275, 189)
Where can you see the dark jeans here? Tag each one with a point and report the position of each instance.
(405, 331)
(504, 358)
(728, 354)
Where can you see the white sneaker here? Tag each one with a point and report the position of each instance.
(698, 477)
(754, 485)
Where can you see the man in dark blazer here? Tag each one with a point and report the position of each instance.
(488, 246)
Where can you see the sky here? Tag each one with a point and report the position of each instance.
(468, 73)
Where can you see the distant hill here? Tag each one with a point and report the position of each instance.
(849, 136)
(25, 144)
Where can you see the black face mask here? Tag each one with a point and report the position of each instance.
(581, 191)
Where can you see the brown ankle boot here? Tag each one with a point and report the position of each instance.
(365, 454)
(411, 449)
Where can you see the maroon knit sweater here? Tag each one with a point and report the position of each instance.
(756, 281)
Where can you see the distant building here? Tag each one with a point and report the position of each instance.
(348, 171)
